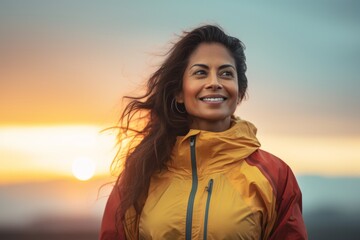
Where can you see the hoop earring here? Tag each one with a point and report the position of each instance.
(177, 107)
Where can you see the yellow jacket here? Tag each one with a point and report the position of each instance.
(219, 185)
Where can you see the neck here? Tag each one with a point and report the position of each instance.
(211, 126)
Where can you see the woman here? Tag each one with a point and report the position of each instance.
(198, 172)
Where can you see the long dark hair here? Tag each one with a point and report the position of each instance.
(164, 120)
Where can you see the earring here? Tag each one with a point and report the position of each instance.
(174, 102)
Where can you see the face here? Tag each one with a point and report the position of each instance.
(210, 87)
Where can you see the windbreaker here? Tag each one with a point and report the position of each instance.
(217, 185)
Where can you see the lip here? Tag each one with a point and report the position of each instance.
(213, 96)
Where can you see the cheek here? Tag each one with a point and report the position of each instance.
(190, 92)
(233, 89)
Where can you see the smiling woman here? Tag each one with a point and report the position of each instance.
(195, 155)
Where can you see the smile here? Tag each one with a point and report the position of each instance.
(213, 99)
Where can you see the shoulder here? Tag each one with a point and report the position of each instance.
(267, 162)
(277, 172)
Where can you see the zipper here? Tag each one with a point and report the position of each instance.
(209, 190)
(189, 213)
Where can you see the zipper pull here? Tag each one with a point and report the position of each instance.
(208, 188)
(192, 141)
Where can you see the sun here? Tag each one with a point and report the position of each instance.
(83, 168)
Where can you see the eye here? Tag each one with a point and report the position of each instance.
(227, 74)
(200, 72)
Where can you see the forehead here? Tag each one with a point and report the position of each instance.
(211, 54)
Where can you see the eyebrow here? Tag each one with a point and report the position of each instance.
(207, 67)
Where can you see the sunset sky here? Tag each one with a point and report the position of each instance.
(64, 66)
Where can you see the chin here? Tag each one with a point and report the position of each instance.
(216, 117)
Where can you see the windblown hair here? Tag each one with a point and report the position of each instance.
(164, 120)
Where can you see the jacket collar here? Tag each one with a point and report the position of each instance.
(214, 150)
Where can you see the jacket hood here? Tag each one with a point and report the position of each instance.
(214, 150)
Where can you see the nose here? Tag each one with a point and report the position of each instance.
(213, 82)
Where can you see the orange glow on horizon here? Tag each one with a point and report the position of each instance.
(316, 154)
(48, 152)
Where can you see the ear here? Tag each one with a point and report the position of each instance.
(179, 97)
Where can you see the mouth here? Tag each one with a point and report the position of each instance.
(213, 99)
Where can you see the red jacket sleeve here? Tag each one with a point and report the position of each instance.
(108, 229)
(289, 222)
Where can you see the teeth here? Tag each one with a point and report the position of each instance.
(217, 99)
